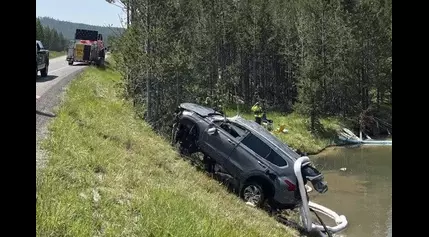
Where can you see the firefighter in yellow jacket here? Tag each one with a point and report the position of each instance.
(257, 111)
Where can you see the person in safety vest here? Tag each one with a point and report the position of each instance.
(218, 106)
(208, 102)
(257, 111)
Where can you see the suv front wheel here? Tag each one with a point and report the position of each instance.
(253, 193)
(44, 71)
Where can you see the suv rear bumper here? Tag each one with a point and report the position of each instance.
(277, 205)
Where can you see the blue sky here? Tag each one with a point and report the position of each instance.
(92, 12)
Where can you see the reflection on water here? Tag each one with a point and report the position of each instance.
(363, 192)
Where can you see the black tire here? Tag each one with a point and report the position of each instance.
(102, 54)
(100, 62)
(209, 164)
(71, 63)
(44, 71)
(253, 189)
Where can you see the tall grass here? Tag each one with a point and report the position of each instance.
(109, 174)
(298, 134)
(56, 54)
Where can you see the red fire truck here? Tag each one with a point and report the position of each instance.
(86, 47)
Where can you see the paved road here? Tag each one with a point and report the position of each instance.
(59, 71)
(50, 91)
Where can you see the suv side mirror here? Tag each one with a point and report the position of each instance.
(212, 131)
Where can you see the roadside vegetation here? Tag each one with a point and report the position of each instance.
(110, 174)
(316, 64)
(55, 54)
(311, 60)
(50, 38)
(68, 28)
(298, 135)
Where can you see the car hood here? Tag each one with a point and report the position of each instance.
(199, 109)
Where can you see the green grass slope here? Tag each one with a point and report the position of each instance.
(299, 135)
(109, 174)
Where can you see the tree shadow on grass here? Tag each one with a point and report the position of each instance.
(45, 79)
(51, 115)
(105, 66)
(323, 132)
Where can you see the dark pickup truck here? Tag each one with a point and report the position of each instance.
(42, 59)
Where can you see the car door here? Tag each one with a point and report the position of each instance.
(248, 157)
(218, 143)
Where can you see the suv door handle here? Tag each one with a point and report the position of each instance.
(230, 141)
(262, 165)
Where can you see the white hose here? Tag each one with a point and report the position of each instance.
(304, 210)
(340, 220)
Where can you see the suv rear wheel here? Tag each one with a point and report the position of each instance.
(253, 193)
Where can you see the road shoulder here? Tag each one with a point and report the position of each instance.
(45, 106)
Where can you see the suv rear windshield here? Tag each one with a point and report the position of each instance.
(263, 150)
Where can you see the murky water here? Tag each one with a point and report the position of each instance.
(363, 192)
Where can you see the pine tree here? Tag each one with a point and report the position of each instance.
(39, 30)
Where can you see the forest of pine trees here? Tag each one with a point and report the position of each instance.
(50, 38)
(316, 57)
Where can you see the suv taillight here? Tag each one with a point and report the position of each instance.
(290, 186)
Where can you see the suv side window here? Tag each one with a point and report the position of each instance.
(276, 159)
(39, 45)
(263, 150)
(233, 130)
(256, 145)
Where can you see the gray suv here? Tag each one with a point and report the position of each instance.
(255, 162)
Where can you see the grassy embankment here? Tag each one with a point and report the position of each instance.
(55, 54)
(299, 135)
(109, 174)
